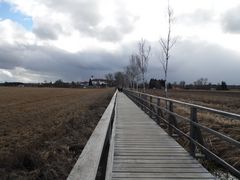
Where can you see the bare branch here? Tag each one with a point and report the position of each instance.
(143, 58)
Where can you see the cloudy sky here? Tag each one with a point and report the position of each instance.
(74, 39)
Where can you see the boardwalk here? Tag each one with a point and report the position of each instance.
(140, 149)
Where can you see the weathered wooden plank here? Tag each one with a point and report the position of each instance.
(146, 146)
(134, 135)
(162, 151)
(162, 178)
(156, 161)
(150, 165)
(142, 140)
(159, 170)
(87, 164)
(138, 141)
(161, 175)
(183, 157)
(142, 144)
(149, 148)
(150, 154)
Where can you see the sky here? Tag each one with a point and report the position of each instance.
(46, 40)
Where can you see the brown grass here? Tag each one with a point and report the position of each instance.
(227, 101)
(43, 130)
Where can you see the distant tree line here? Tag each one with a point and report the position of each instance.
(156, 84)
(122, 79)
(127, 80)
(210, 86)
(58, 83)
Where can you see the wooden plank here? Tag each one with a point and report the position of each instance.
(150, 165)
(142, 144)
(159, 170)
(183, 157)
(156, 161)
(147, 142)
(162, 178)
(161, 175)
(156, 146)
(87, 164)
(150, 153)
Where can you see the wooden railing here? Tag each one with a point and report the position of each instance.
(87, 165)
(162, 110)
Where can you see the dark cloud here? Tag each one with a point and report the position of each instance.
(190, 61)
(56, 63)
(7, 56)
(230, 20)
(47, 31)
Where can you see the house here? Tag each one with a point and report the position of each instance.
(99, 82)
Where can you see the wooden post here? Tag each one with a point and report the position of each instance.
(170, 108)
(141, 101)
(195, 133)
(145, 103)
(158, 109)
(144, 108)
(150, 106)
(142, 98)
(193, 118)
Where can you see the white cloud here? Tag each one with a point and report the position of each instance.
(14, 33)
(19, 74)
(4, 72)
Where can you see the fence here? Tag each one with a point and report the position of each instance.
(162, 110)
(92, 156)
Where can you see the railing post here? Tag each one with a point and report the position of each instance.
(145, 103)
(142, 98)
(193, 130)
(150, 106)
(158, 111)
(142, 105)
(170, 108)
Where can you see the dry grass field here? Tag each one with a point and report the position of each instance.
(43, 130)
(222, 100)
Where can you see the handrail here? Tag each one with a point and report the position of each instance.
(224, 113)
(88, 162)
(195, 136)
(220, 135)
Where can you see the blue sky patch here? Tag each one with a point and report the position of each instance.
(7, 12)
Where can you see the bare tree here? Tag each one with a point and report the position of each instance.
(110, 78)
(166, 46)
(132, 70)
(129, 75)
(120, 79)
(142, 59)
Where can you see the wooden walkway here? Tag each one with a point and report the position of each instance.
(140, 149)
